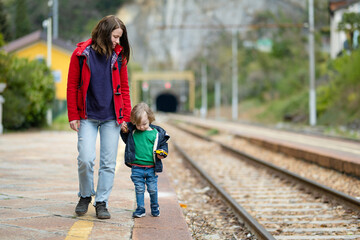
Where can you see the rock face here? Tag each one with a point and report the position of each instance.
(171, 32)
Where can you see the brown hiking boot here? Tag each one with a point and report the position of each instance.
(82, 206)
(101, 211)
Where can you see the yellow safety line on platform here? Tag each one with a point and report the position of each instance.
(81, 229)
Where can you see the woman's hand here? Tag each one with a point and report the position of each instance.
(75, 125)
(124, 127)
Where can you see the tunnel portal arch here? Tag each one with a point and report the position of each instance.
(167, 102)
(164, 76)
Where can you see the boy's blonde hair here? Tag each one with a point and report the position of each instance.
(138, 111)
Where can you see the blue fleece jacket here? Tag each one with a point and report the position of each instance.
(161, 144)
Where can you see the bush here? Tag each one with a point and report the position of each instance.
(29, 93)
(338, 101)
(294, 109)
(61, 123)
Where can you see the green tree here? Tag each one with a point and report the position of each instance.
(4, 26)
(76, 18)
(83, 16)
(22, 24)
(29, 93)
(349, 24)
(106, 7)
(2, 42)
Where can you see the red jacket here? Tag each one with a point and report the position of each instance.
(77, 88)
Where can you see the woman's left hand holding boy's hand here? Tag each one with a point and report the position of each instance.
(124, 127)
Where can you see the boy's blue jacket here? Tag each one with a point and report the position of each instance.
(160, 143)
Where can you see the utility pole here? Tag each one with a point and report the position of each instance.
(234, 75)
(312, 93)
(55, 14)
(203, 110)
(217, 98)
(49, 42)
(48, 24)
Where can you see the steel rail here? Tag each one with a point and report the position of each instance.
(255, 227)
(340, 197)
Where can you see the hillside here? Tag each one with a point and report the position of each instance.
(168, 34)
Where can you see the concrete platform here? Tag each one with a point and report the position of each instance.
(38, 194)
(167, 226)
(342, 155)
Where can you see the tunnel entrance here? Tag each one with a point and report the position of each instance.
(166, 102)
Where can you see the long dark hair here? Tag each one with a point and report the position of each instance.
(101, 36)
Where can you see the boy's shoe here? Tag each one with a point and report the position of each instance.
(155, 212)
(101, 211)
(139, 212)
(82, 206)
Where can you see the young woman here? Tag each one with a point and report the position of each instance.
(98, 100)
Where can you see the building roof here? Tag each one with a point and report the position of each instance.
(335, 5)
(34, 37)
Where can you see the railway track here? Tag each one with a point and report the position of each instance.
(272, 207)
(333, 153)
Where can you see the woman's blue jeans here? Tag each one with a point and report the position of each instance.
(141, 176)
(109, 139)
